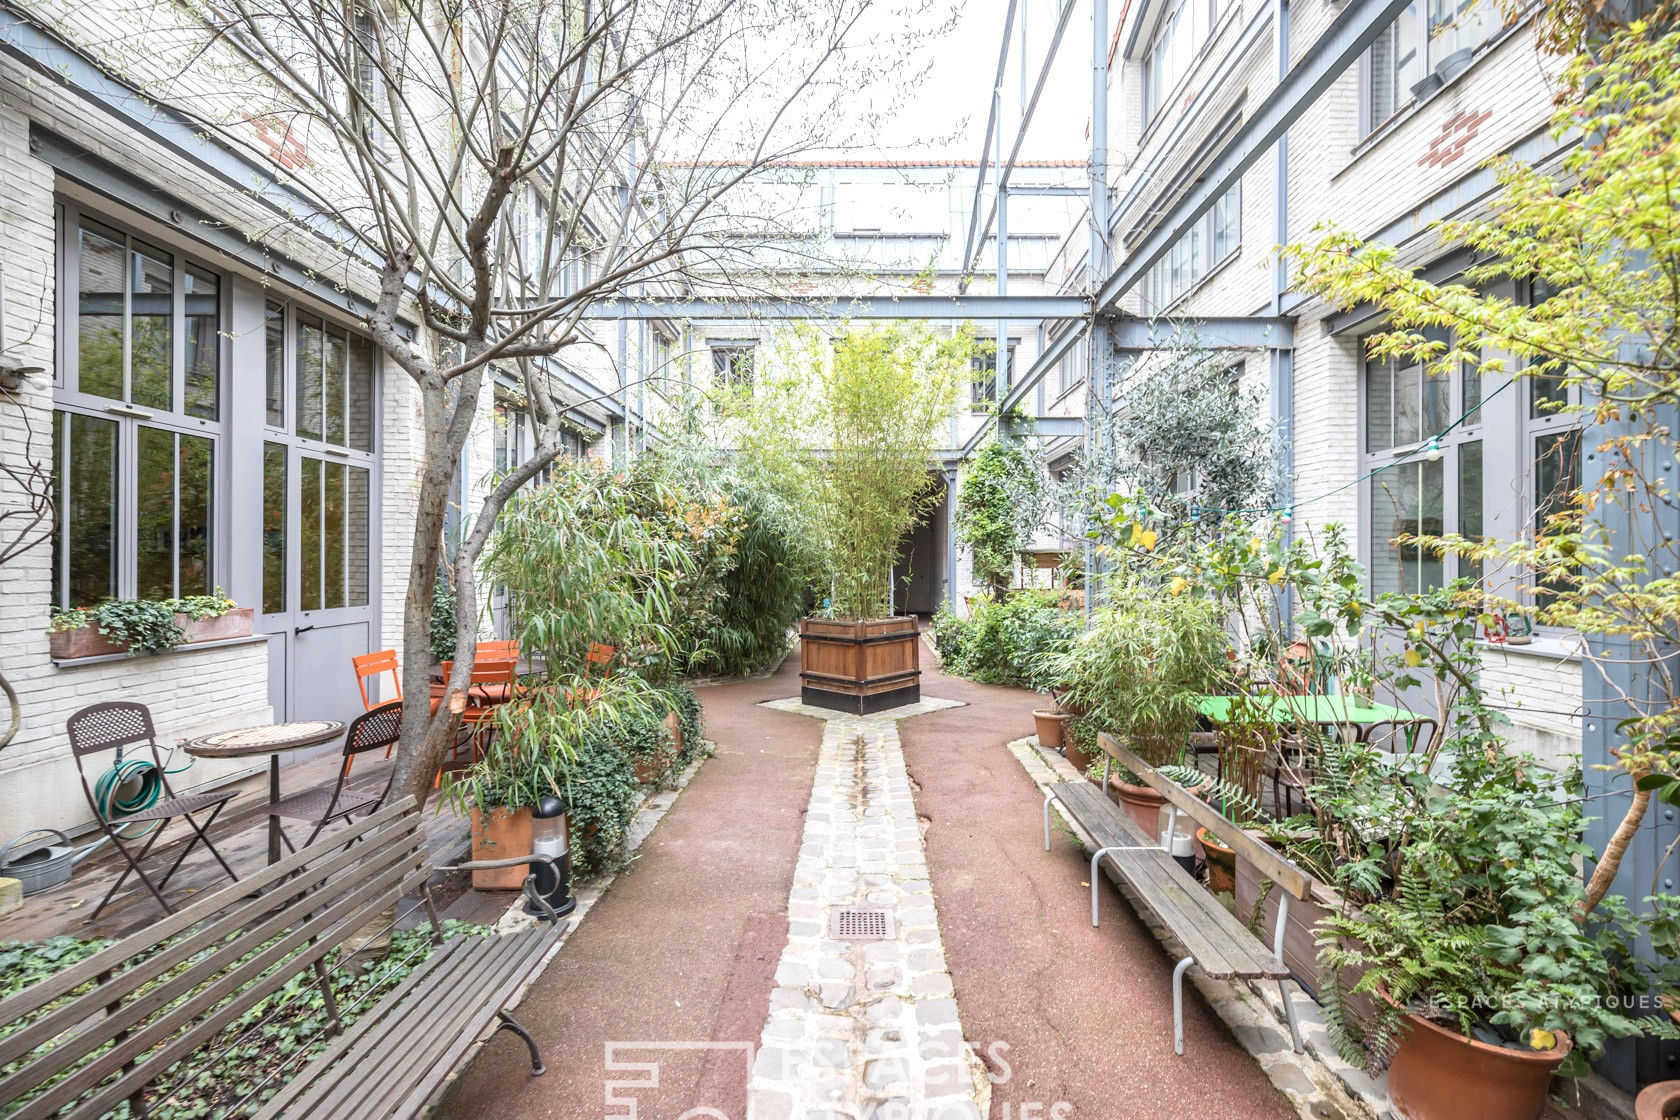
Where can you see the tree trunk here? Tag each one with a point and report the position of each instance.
(1604, 872)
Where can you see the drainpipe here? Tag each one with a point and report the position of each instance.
(1281, 360)
(1097, 265)
(1000, 362)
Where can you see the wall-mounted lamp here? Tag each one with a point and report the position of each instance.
(14, 374)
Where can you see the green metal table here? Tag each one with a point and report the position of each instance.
(1326, 711)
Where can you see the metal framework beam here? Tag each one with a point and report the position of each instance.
(1250, 332)
(1008, 167)
(1056, 427)
(1057, 349)
(1338, 48)
(1025, 308)
(992, 123)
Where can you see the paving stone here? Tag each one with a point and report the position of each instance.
(883, 1023)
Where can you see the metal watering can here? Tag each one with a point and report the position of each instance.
(39, 864)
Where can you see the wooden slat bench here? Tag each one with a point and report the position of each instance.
(102, 1032)
(1187, 916)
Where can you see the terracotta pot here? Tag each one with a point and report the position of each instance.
(1143, 803)
(1221, 863)
(224, 627)
(1438, 1074)
(506, 833)
(85, 641)
(1051, 727)
(1658, 1102)
(1078, 759)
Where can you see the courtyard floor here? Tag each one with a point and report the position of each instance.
(705, 976)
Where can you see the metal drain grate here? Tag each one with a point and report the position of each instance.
(860, 925)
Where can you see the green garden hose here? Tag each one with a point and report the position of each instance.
(131, 785)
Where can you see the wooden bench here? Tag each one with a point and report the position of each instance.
(105, 1030)
(1187, 915)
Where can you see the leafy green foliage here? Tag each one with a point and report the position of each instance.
(441, 630)
(1481, 925)
(1015, 641)
(226, 1076)
(144, 625)
(999, 507)
(581, 564)
(842, 431)
(1137, 672)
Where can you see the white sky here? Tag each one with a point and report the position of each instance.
(953, 102)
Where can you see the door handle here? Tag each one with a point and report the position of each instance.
(302, 629)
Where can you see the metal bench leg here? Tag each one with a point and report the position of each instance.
(1048, 797)
(509, 1023)
(1289, 1011)
(1178, 1004)
(1095, 870)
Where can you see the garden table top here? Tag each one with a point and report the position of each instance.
(1346, 710)
(267, 739)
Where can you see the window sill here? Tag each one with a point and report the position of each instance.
(195, 647)
(1551, 647)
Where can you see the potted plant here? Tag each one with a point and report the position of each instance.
(1487, 981)
(498, 792)
(847, 428)
(145, 625)
(1138, 671)
(1051, 724)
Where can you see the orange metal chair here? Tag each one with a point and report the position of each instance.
(369, 665)
(490, 683)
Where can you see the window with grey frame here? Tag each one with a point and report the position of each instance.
(1214, 238)
(1412, 54)
(1412, 493)
(732, 365)
(317, 462)
(983, 373)
(1177, 41)
(137, 423)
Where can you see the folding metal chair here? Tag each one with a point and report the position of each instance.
(116, 724)
(379, 728)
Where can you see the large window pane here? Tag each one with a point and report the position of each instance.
(311, 348)
(333, 373)
(1557, 477)
(85, 548)
(274, 325)
(357, 551)
(154, 522)
(1406, 501)
(360, 420)
(204, 349)
(274, 528)
(151, 335)
(1394, 68)
(196, 520)
(332, 535)
(1470, 502)
(309, 519)
(1408, 405)
(1379, 404)
(99, 328)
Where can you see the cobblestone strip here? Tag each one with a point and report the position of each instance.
(864, 1030)
(1319, 1083)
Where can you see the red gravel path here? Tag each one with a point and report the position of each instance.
(1086, 1013)
(683, 947)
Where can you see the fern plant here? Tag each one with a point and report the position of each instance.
(1478, 932)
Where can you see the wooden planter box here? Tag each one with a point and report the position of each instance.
(87, 641)
(860, 667)
(499, 835)
(1300, 933)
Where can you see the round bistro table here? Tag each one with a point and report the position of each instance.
(272, 740)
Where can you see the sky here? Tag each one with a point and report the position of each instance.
(952, 104)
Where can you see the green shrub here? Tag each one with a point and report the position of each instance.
(1015, 642)
(601, 796)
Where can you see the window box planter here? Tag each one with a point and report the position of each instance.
(87, 641)
(860, 667)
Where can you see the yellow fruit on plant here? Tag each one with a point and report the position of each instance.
(1413, 658)
(1147, 538)
(1539, 1039)
(1178, 585)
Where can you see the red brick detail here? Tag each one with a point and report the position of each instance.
(1456, 133)
(283, 147)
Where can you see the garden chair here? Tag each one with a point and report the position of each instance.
(116, 724)
(490, 683)
(380, 727)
